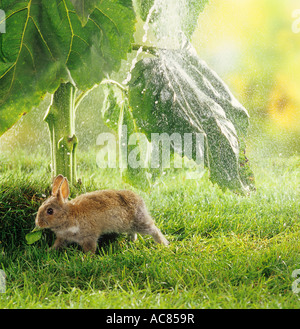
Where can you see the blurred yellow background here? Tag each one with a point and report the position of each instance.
(253, 46)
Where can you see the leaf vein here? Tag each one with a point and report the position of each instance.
(71, 28)
(14, 66)
(44, 41)
(33, 64)
(109, 19)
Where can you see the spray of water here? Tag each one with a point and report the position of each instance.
(166, 20)
(146, 28)
(169, 22)
(153, 9)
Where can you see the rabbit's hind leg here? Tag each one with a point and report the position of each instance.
(144, 224)
(151, 229)
(157, 235)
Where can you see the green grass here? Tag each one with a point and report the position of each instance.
(226, 251)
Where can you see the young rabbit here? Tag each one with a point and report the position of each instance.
(85, 218)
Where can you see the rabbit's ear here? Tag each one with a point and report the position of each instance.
(64, 191)
(56, 184)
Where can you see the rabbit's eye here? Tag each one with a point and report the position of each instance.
(50, 211)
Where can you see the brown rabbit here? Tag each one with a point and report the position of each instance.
(85, 218)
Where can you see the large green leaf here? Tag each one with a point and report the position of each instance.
(178, 92)
(189, 11)
(45, 44)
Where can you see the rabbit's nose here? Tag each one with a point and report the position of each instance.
(40, 221)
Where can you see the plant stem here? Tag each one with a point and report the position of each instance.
(82, 95)
(149, 49)
(116, 83)
(60, 118)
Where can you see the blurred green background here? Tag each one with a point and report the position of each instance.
(251, 45)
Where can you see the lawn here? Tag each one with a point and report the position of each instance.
(226, 251)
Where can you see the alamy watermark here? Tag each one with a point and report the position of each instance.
(135, 151)
(296, 22)
(2, 21)
(2, 281)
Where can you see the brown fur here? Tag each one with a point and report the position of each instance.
(85, 218)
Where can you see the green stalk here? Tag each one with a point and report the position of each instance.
(60, 118)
